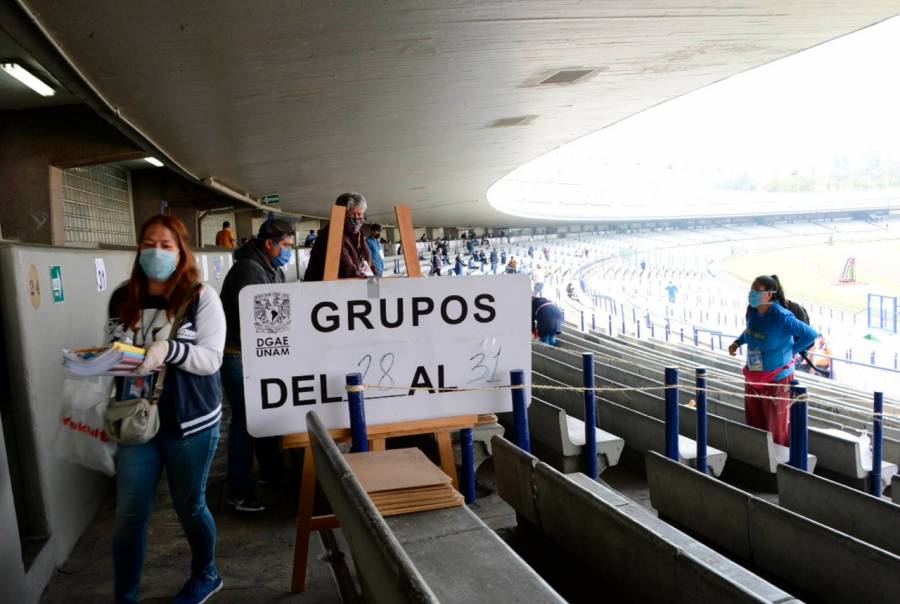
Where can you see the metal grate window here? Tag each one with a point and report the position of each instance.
(212, 224)
(97, 205)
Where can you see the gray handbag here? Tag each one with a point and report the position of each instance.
(136, 420)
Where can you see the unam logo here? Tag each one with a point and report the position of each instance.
(272, 312)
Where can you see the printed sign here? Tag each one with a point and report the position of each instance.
(56, 284)
(416, 342)
(100, 267)
(217, 267)
(34, 287)
(204, 263)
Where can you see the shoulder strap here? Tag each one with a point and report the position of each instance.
(176, 325)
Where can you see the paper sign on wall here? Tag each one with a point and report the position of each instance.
(56, 284)
(217, 267)
(299, 341)
(204, 263)
(100, 267)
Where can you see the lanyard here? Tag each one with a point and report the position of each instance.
(146, 331)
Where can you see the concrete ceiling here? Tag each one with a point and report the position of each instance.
(397, 99)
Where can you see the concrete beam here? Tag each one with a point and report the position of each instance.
(848, 510)
(816, 560)
(384, 567)
(622, 543)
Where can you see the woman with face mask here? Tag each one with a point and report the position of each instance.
(163, 280)
(774, 337)
(356, 260)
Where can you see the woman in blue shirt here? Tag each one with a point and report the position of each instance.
(773, 337)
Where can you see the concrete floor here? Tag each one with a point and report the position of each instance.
(254, 551)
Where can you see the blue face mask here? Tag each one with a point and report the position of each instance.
(282, 258)
(158, 264)
(754, 298)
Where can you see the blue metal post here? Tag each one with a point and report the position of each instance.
(681, 329)
(877, 442)
(590, 416)
(799, 434)
(520, 410)
(701, 419)
(637, 329)
(593, 322)
(696, 338)
(357, 409)
(468, 464)
(672, 413)
(609, 330)
(582, 321)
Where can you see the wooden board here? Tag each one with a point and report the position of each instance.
(334, 243)
(408, 241)
(447, 492)
(381, 431)
(424, 508)
(394, 470)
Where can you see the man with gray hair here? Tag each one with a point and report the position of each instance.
(356, 261)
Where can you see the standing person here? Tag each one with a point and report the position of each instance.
(821, 358)
(356, 261)
(310, 239)
(671, 290)
(435, 265)
(546, 320)
(164, 279)
(225, 237)
(374, 243)
(258, 261)
(773, 337)
(494, 260)
(458, 266)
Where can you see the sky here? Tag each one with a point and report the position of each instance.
(841, 98)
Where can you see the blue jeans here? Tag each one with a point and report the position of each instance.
(240, 444)
(138, 467)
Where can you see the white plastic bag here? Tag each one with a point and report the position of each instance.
(80, 437)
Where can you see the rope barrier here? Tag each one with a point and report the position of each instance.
(599, 390)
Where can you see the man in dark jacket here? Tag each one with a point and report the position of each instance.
(546, 320)
(356, 261)
(258, 261)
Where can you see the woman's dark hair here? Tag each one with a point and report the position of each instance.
(772, 284)
(185, 274)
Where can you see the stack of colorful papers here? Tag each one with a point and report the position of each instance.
(116, 359)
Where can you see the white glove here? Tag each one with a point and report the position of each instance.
(154, 358)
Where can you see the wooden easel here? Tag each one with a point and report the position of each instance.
(377, 434)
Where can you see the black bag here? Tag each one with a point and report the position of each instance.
(798, 311)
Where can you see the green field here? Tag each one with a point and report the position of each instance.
(812, 272)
